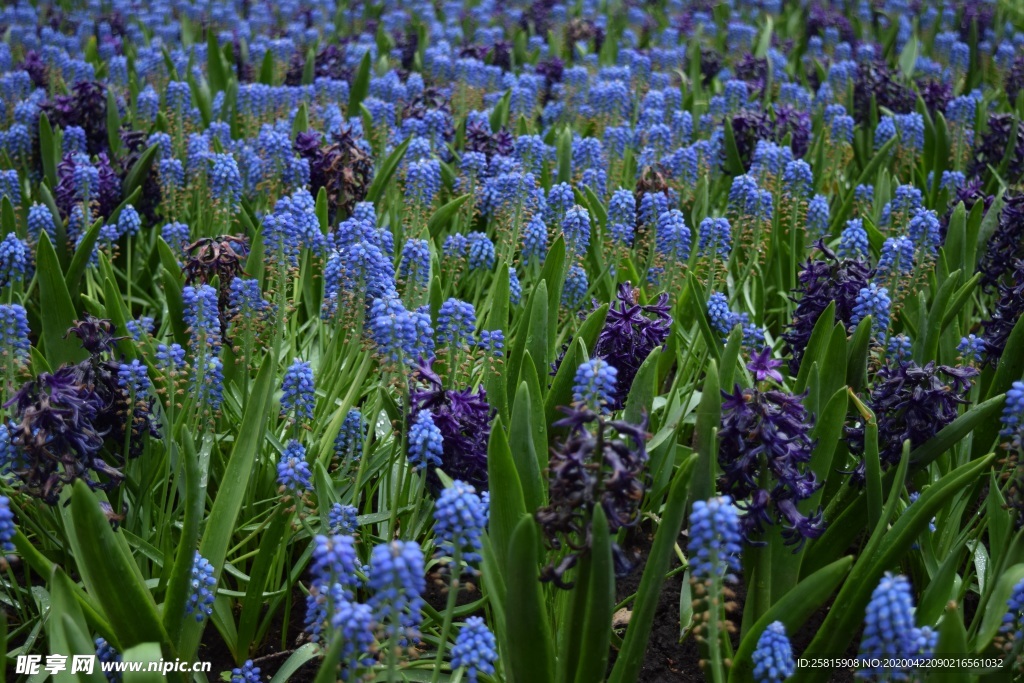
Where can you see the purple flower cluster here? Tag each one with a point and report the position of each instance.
(910, 402)
(1006, 245)
(764, 448)
(463, 419)
(63, 420)
(600, 462)
(1006, 312)
(631, 331)
(822, 282)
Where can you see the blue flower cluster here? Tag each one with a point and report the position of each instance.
(889, 630)
(202, 589)
(460, 520)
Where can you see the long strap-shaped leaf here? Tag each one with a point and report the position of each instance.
(840, 625)
(531, 658)
(181, 572)
(507, 505)
(793, 609)
(384, 173)
(112, 580)
(228, 501)
(59, 313)
(596, 629)
(66, 626)
(634, 645)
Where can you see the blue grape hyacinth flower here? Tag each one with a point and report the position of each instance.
(475, 649)
(202, 589)
(594, 385)
(773, 656)
(889, 629)
(299, 391)
(460, 521)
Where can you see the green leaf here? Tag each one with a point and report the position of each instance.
(145, 653)
(507, 504)
(592, 326)
(952, 643)
(112, 580)
(631, 655)
(322, 209)
(81, 258)
(596, 206)
(531, 658)
(139, 171)
(537, 334)
(117, 312)
(873, 469)
(113, 125)
(951, 434)
(993, 618)
(227, 503)
(857, 357)
(827, 431)
(60, 244)
(1000, 520)
(360, 85)
(309, 68)
(180, 576)
(815, 349)
(499, 113)
(709, 417)
(300, 124)
(444, 215)
(553, 277)
(596, 631)
(58, 313)
(216, 69)
(733, 163)
(496, 383)
(930, 346)
(49, 153)
(564, 151)
(829, 374)
(730, 358)
(960, 298)
(765, 39)
(259, 574)
(523, 452)
(641, 393)
(173, 294)
(295, 661)
(985, 231)
(560, 393)
(840, 626)
(956, 238)
(66, 627)
(518, 346)
(908, 57)
(267, 69)
(793, 610)
(380, 182)
(538, 422)
(1011, 362)
(939, 590)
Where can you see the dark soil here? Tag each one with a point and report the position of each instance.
(669, 661)
(271, 656)
(666, 658)
(437, 591)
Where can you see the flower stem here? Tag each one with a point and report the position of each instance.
(446, 627)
